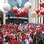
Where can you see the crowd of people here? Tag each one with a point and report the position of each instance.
(22, 34)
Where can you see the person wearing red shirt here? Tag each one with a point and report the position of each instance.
(12, 40)
(1, 37)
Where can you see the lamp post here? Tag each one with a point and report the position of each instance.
(6, 8)
(28, 5)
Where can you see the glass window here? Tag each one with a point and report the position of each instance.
(18, 3)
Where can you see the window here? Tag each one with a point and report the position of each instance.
(18, 3)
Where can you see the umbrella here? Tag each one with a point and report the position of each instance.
(41, 13)
(14, 10)
(42, 4)
(34, 13)
(20, 11)
(37, 11)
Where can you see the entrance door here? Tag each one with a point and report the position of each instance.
(1, 17)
